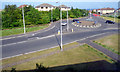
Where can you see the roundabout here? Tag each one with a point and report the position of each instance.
(88, 23)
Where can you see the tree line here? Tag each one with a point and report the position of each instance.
(12, 16)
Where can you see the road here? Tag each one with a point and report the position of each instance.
(26, 44)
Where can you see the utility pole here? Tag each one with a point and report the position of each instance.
(23, 20)
(67, 21)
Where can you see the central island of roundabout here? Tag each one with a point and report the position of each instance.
(88, 23)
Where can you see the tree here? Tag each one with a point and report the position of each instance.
(56, 14)
(11, 17)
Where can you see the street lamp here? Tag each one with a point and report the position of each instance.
(61, 26)
(23, 19)
(114, 16)
(67, 21)
(51, 15)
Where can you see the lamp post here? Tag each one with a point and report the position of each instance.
(67, 21)
(51, 16)
(61, 27)
(114, 16)
(23, 20)
(61, 45)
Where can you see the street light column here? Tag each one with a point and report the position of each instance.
(114, 16)
(67, 21)
(61, 27)
(23, 20)
(51, 16)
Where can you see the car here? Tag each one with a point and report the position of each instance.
(64, 24)
(75, 20)
(109, 22)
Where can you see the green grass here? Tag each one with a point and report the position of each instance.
(110, 18)
(77, 55)
(109, 42)
(27, 56)
(21, 30)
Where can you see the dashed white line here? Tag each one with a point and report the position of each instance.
(54, 46)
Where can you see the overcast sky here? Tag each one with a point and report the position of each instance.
(82, 4)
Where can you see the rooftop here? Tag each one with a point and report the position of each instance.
(22, 6)
(44, 5)
(63, 6)
(106, 9)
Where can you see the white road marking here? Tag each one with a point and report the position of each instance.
(27, 40)
(25, 35)
(55, 46)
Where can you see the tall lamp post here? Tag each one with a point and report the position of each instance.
(67, 21)
(61, 45)
(61, 26)
(51, 15)
(114, 16)
(23, 20)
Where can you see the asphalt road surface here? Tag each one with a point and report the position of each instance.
(30, 43)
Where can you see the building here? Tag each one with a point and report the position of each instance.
(48, 7)
(94, 10)
(45, 7)
(63, 7)
(22, 6)
(105, 10)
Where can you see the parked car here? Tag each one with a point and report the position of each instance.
(109, 22)
(75, 20)
(64, 24)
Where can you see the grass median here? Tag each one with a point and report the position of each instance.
(15, 31)
(112, 19)
(110, 43)
(75, 55)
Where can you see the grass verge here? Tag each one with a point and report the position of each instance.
(110, 18)
(20, 30)
(76, 55)
(109, 42)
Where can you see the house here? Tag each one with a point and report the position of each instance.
(22, 6)
(45, 7)
(105, 10)
(94, 10)
(63, 7)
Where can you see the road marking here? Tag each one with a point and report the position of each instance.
(12, 37)
(46, 37)
(54, 46)
(45, 30)
(27, 40)
(27, 34)
(14, 43)
(110, 28)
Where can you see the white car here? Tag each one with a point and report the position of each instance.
(63, 24)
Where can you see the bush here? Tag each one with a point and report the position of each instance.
(41, 68)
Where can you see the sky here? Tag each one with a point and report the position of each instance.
(81, 4)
